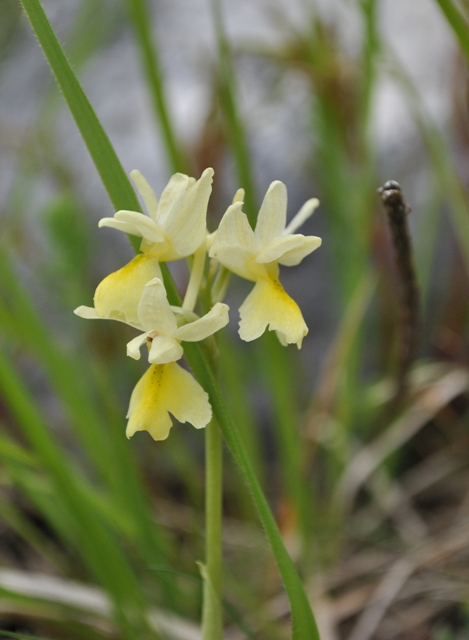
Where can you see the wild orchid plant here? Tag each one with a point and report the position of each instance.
(175, 228)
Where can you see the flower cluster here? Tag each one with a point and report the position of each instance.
(175, 228)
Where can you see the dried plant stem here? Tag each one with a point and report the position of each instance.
(410, 321)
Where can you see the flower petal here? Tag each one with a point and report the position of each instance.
(164, 349)
(303, 214)
(134, 346)
(238, 196)
(288, 250)
(148, 408)
(117, 296)
(272, 214)
(295, 256)
(143, 225)
(120, 226)
(154, 312)
(165, 389)
(235, 230)
(190, 400)
(172, 196)
(146, 192)
(186, 227)
(211, 322)
(89, 313)
(234, 245)
(268, 305)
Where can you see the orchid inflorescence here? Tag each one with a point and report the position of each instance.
(175, 228)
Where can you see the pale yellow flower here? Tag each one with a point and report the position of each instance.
(134, 296)
(162, 390)
(159, 323)
(256, 255)
(166, 388)
(176, 225)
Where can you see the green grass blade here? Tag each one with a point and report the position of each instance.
(236, 132)
(233, 364)
(138, 10)
(97, 546)
(279, 373)
(99, 434)
(457, 22)
(303, 622)
(104, 157)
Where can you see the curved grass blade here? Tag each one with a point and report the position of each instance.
(101, 151)
(457, 22)
(98, 547)
(22, 636)
(139, 13)
(236, 132)
(303, 623)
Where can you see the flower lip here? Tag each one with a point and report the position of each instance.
(166, 389)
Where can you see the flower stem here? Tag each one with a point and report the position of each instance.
(212, 613)
(195, 279)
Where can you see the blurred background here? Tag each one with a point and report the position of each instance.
(369, 487)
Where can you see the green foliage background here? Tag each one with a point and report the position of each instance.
(91, 509)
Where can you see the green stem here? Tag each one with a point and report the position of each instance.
(236, 132)
(303, 621)
(141, 19)
(212, 613)
(195, 279)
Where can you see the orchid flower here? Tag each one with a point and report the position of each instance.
(256, 255)
(166, 387)
(176, 225)
(162, 390)
(157, 320)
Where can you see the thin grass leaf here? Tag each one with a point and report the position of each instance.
(141, 18)
(303, 622)
(457, 22)
(235, 128)
(22, 636)
(104, 157)
(233, 365)
(103, 556)
(278, 371)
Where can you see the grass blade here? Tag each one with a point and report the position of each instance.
(97, 546)
(138, 10)
(458, 23)
(303, 622)
(104, 157)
